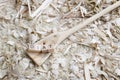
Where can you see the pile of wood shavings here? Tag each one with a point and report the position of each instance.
(92, 53)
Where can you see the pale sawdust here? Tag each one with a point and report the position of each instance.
(95, 49)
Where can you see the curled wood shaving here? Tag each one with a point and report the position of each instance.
(21, 12)
(101, 34)
(112, 75)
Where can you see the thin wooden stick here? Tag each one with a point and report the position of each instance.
(56, 38)
(88, 21)
(37, 13)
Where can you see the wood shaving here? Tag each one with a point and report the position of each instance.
(87, 72)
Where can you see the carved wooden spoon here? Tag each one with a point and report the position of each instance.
(42, 49)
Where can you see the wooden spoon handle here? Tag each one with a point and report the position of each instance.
(89, 20)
